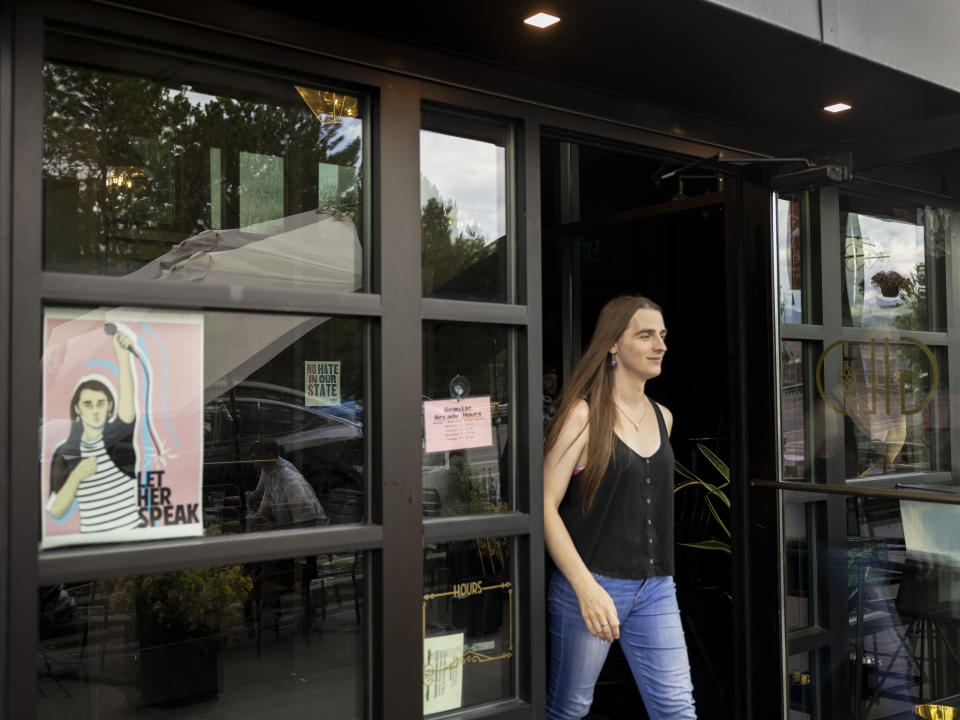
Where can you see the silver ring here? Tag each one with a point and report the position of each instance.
(604, 624)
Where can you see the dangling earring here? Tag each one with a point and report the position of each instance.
(613, 360)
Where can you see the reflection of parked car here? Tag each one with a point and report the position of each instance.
(327, 450)
(350, 410)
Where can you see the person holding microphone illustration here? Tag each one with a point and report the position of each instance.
(94, 470)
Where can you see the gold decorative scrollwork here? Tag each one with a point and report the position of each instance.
(472, 656)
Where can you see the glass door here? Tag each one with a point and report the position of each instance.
(869, 515)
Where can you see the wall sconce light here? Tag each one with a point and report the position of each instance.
(327, 106)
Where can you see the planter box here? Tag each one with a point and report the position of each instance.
(175, 667)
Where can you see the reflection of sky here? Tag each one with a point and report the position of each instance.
(901, 246)
(471, 173)
(197, 99)
(902, 241)
(350, 129)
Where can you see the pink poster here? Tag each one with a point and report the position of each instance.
(122, 428)
(457, 424)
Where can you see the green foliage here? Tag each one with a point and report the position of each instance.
(914, 295)
(199, 599)
(714, 497)
(128, 166)
(471, 494)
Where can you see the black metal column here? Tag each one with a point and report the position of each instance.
(26, 222)
(399, 662)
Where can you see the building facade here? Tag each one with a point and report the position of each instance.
(260, 260)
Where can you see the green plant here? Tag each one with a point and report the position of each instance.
(714, 496)
(199, 599)
(472, 491)
(890, 282)
(914, 294)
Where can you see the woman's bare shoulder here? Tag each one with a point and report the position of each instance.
(667, 417)
(572, 432)
(580, 413)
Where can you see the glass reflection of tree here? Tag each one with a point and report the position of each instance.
(914, 295)
(127, 161)
(95, 126)
(446, 255)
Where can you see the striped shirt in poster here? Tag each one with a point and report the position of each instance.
(108, 498)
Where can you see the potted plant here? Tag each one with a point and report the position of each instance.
(712, 494)
(704, 572)
(889, 282)
(180, 619)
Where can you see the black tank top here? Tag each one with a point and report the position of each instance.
(628, 532)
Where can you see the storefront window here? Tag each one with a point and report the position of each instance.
(893, 264)
(468, 624)
(160, 424)
(248, 640)
(202, 177)
(463, 209)
(467, 416)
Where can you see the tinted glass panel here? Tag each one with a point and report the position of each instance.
(799, 540)
(893, 264)
(798, 258)
(903, 575)
(896, 410)
(188, 173)
(467, 418)
(804, 693)
(805, 449)
(469, 624)
(463, 210)
(159, 424)
(243, 641)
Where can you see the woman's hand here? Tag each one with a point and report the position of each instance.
(85, 468)
(121, 344)
(599, 612)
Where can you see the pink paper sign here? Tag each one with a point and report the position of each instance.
(457, 424)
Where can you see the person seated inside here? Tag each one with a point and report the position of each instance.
(282, 498)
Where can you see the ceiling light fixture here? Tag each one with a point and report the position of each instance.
(837, 107)
(541, 20)
(328, 107)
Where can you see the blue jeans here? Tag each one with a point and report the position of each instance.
(651, 638)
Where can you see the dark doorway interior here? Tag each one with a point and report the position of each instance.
(610, 228)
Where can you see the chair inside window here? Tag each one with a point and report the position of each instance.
(343, 506)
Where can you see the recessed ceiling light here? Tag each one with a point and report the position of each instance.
(837, 107)
(541, 20)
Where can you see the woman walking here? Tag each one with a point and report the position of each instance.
(608, 522)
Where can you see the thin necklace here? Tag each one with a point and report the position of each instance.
(636, 425)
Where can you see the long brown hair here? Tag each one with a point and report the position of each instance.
(593, 381)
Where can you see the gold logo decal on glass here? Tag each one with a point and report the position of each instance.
(461, 591)
(847, 378)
